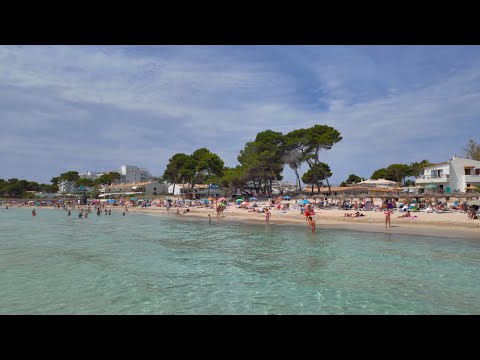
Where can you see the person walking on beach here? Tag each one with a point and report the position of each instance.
(387, 217)
(267, 216)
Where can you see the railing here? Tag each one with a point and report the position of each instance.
(429, 177)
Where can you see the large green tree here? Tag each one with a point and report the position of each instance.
(206, 166)
(69, 176)
(262, 159)
(323, 174)
(293, 158)
(472, 150)
(394, 172)
(352, 179)
(18, 188)
(174, 168)
(310, 142)
(108, 178)
(84, 182)
(202, 166)
(416, 168)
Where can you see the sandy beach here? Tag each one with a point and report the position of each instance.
(454, 225)
(450, 224)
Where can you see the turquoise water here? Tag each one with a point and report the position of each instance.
(140, 264)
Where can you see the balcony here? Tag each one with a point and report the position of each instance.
(472, 178)
(432, 179)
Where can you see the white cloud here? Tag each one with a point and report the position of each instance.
(91, 106)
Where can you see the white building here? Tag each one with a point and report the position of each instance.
(380, 183)
(200, 190)
(133, 174)
(452, 175)
(148, 188)
(66, 187)
(92, 175)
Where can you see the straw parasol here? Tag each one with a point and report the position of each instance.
(471, 187)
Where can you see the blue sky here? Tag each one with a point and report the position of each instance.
(98, 107)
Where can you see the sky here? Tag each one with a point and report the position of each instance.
(95, 108)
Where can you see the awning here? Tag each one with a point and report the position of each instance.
(469, 166)
(134, 187)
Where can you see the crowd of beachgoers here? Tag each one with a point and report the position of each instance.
(283, 210)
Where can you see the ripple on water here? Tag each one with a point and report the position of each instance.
(136, 264)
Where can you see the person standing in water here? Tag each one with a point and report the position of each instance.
(267, 216)
(209, 219)
(387, 217)
(311, 224)
(69, 213)
(34, 213)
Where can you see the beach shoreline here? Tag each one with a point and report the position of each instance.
(424, 225)
(447, 225)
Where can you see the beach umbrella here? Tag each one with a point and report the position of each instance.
(111, 201)
(133, 198)
(253, 198)
(238, 200)
(286, 197)
(305, 201)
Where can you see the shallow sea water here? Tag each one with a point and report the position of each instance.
(141, 264)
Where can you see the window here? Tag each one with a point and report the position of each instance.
(436, 174)
(477, 171)
(467, 171)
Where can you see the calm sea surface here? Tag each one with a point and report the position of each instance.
(140, 264)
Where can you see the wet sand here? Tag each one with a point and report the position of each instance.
(452, 225)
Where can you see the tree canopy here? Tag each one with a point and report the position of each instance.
(472, 150)
(352, 179)
(399, 172)
(18, 188)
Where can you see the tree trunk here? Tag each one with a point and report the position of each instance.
(298, 179)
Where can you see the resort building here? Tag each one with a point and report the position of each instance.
(148, 188)
(379, 183)
(66, 187)
(133, 174)
(92, 175)
(455, 175)
(199, 191)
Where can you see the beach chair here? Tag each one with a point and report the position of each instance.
(413, 207)
(368, 207)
